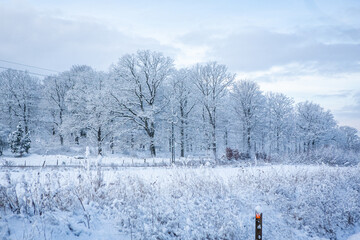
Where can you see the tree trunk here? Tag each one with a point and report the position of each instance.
(226, 138)
(61, 122)
(112, 144)
(248, 141)
(277, 142)
(150, 130)
(152, 148)
(214, 142)
(172, 143)
(99, 141)
(152, 140)
(182, 138)
(132, 141)
(25, 121)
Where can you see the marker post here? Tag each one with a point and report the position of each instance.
(258, 225)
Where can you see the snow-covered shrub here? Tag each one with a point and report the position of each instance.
(237, 155)
(334, 156)
(181, 203)
(321, 201)
(331, 155)
(229, 153)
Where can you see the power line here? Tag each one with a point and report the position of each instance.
(25, 65)
(38, 74)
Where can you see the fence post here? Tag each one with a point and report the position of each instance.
(258, 224)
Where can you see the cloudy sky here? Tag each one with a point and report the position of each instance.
(309, 50)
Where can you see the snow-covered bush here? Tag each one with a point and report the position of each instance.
(229, 153)
(322, 201)
(334, 156)
(331, 155)
(179, 203)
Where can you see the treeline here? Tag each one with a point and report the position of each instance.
(144, 104)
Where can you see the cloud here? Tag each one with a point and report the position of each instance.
(288, 72)
(337, 94)
(261, 49)
(304, 81)
(320, 64)
(52, 41)
(206, 36)
(333, 34)
(305, 53)
(349, 114)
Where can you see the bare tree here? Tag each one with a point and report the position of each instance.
(181, 95)
(249, 105)
(349, 138)
(280, 114)
(138, 79)
(87, 105)
(55, 90)
(314, 124)
(211, 80)
(20, 94)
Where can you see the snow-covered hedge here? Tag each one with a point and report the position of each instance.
(298, 202)
(333, 156)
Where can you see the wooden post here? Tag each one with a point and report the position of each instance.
(258, 225)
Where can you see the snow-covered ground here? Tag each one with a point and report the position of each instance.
(80, 160)
(37, 160)
(354, 237)
(176, 202)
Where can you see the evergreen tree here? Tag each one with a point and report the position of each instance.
(19, 141)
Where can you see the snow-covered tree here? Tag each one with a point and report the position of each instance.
(212, 81)
(20, 98)
(348, 138)
(137, 81)
(182, 100)
(249, 106)
(279, 118)
(87, 105)
(228, 124)
(55, 90)
(315, 125)
(19, 141)
(143, 103)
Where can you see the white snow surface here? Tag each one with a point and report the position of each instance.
(80, 160)
(297, 202)
(354, 237)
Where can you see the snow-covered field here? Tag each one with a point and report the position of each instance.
(204, 202)
(81, 160)
(36, 160)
